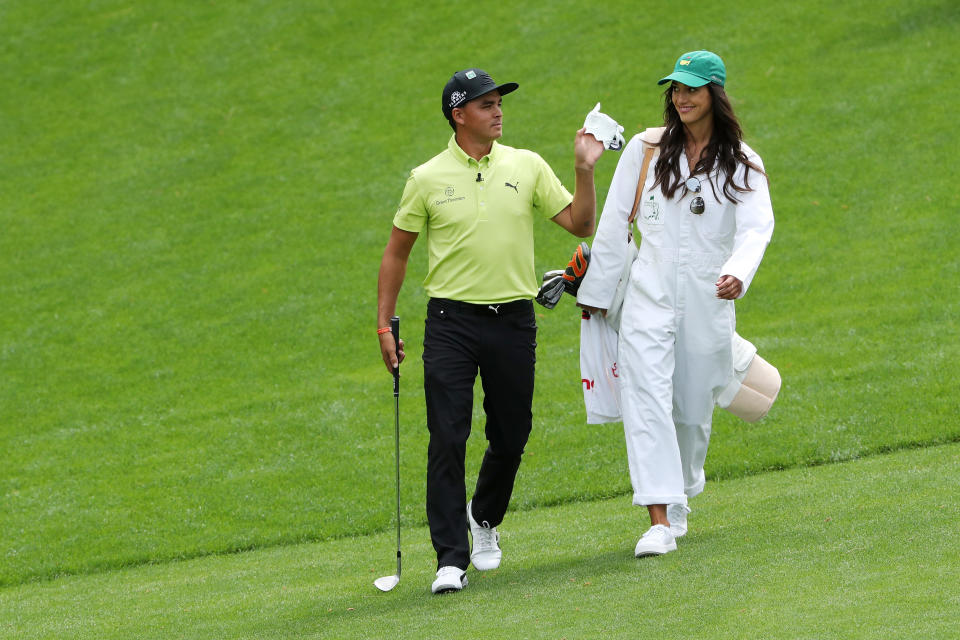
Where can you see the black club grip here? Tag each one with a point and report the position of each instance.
(395, 330)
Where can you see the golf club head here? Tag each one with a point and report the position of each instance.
(552, 274)
(386, 583)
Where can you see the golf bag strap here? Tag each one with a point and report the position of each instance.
(648, 152)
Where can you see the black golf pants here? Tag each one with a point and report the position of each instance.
(461, 339)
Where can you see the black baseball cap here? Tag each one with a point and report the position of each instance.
(468, 84)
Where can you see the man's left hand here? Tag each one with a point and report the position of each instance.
(587, 150)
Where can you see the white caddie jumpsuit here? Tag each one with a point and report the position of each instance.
(675, 348)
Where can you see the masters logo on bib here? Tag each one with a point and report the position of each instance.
(651, 213)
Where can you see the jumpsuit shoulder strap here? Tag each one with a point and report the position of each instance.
(648, 151)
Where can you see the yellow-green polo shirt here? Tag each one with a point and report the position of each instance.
(480, 233)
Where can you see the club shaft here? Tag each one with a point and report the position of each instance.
(397, 443)
(395, 330)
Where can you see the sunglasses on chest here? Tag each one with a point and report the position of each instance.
(697, 205)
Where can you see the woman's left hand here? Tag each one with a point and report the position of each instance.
(729, 288)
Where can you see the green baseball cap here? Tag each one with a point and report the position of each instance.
(698, 68)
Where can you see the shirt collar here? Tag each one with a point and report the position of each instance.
(466, 160)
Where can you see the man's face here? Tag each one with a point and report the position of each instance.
(481, 118)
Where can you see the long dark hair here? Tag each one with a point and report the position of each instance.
(723, 152)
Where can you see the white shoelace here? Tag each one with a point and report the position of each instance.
(446, 571)
(677, 515)
(486, 539)
(678, 511)
(658, 531)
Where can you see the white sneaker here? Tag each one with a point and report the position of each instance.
(486, 548)
(655, 542)
(449, 579)
(677, 515)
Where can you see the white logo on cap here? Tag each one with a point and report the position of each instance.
(457, 97)
(471, 74)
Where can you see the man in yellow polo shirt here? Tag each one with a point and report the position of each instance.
(477, 202)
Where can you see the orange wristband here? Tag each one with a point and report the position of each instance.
(382, 331)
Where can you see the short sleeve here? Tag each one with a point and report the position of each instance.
(412, 213)
(550, 196)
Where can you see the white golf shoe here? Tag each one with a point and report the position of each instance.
(655, 542)
(486, 544)
(449, 579)
(677, 515)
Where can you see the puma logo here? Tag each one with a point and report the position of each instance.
(495, 308)
(512, 186)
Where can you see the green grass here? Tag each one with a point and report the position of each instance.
(865, 549)
(195, 197)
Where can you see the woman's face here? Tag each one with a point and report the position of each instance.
(692, 103)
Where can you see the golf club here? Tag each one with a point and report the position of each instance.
(386, 583)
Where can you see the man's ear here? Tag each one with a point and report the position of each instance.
(457, 115)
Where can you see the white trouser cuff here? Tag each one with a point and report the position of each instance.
(646, 500)
(695, 490)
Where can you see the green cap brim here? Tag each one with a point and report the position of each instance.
(686, 78)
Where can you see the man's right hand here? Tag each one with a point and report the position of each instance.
(392, 356)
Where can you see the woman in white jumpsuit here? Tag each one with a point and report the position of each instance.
(705, 219)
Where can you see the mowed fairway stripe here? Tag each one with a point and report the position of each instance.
(863, 549)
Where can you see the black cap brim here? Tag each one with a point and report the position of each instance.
(506, 87)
